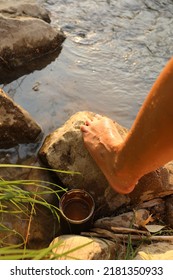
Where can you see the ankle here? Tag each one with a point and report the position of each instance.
(124, 184)
(125, 177)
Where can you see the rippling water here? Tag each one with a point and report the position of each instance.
(113, 53)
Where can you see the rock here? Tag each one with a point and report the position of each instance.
(152, 185)
(24, 226)
(28, 223)
(86, 248)
(13, 10)
(169, 210)
(64, 149)
(9, 3)
(156, 251)
(16, 125)
(169, 198)
(25, 36)
(126, 220)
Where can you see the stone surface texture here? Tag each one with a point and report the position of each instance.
(76, 247)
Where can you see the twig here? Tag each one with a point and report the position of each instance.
(130, 230)
(125, 237)
(102, 233)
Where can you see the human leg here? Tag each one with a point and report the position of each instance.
(149, 143)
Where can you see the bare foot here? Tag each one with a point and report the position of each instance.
(103, 142)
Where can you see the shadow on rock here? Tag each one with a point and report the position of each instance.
(9, 75)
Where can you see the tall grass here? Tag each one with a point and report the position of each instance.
(15, 199)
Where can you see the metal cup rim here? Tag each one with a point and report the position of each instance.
(76, 191)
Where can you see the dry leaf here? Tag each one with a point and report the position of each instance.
(142, 218)
(154, 228)
(145, 222)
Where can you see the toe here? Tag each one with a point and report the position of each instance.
(87, 123)
(83, 128)
(98, 116)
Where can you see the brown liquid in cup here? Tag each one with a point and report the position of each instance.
(76, 210)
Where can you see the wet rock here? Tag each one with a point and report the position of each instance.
(26, 35)
(156, 251)
(16, 125)
(86, 248)
(64, 149)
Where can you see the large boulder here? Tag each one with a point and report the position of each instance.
(16, 125)
(26, 34)
(64, 149)
(24, 9)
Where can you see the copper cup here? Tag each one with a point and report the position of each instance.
(77, 209)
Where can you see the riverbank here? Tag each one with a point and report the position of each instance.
(112, 55)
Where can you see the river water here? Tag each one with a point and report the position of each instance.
(113, 52)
